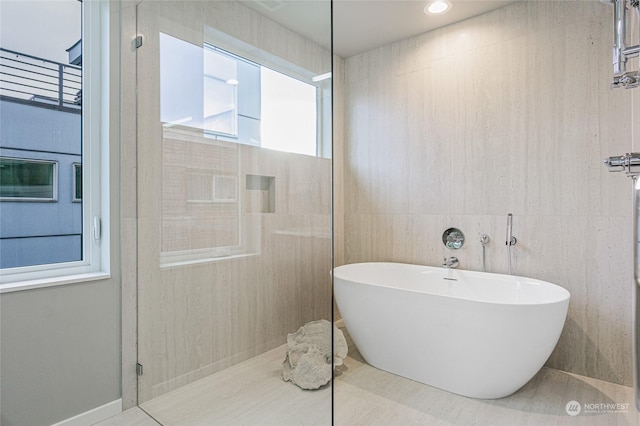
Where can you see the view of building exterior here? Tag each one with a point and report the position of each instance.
(40, 159)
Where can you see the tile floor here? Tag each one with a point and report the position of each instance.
(252, 393)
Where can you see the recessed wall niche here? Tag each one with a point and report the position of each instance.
(261, 194)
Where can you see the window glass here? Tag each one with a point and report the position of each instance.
(46, 135)
(27, 180)
(77, 182)
(289, 114)
(220, 93)
(211, 101)
(40, 132)
(235, 99)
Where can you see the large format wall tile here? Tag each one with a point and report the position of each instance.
(200, 315)
(510, 111)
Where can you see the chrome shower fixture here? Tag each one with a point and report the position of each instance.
(511, 240)
(628, 163)
(621, 53)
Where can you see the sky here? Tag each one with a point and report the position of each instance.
(43, 28)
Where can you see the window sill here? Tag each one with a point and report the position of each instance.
(52, 282)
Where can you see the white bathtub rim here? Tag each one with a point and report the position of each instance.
(563, 295)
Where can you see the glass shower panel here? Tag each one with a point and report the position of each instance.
(234, 229)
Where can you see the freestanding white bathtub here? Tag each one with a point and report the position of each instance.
(475, 334)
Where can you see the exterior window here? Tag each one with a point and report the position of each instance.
(289, 113)
(235, 99)
(77, 182)
(220, 93)
(47, 134)
(211, 101)
(27, 180)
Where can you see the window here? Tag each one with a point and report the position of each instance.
(289, 114)
(205, 187)
(235, 99)
(220, 93)
(213, 98)
(47, 136)
(203, 213)
(77, 182)
(28, 180)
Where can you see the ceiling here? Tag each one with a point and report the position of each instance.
(361, 25)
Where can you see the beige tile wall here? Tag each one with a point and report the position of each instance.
(510, 111)
(196, 319)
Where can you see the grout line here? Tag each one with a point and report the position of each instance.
(149, 415)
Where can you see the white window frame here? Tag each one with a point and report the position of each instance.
(54, 180)
(95, 192)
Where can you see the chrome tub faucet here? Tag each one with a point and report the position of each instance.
(451, 263)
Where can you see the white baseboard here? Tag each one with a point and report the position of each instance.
(94, 416)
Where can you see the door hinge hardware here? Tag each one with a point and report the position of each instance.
(138, 41)
(139, 369)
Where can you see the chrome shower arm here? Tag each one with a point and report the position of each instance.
(619, 36)
(621, 53)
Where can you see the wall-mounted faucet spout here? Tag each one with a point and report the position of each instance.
(451, 263)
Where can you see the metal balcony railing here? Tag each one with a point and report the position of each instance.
(40, 82)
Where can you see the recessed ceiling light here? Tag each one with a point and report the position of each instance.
(437, 7)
